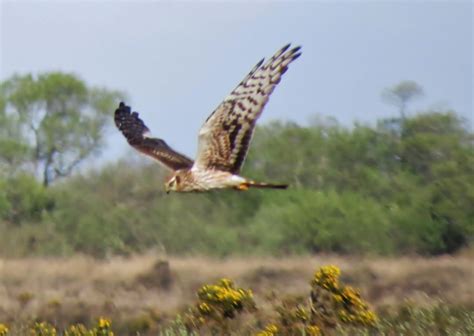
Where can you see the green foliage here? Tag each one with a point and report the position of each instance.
(51, 122)
(316, 221)
(364, 190)
(22, 198)
(402, 93)
(403, 186)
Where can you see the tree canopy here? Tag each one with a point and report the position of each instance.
(402, 93)
(364, 189)
(51, 122)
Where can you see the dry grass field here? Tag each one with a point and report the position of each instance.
(134, 289)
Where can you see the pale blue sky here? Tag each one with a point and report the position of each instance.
(177, 60)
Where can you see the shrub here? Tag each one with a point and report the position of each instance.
(217, 304)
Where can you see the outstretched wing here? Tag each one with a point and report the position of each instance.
(136, 133)
(225, 137)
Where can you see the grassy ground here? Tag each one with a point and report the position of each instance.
(147, 292)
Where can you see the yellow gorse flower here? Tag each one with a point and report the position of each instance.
(327, 277)
(223, 299)
(103, 328)
(43, 329)
(345, 300)
(358, 311)
(313, 330)
(77, 330)
(270, 330)
(224, 282)
(301, 314)
(352, 296)
(104, 323)
(337, 297)
(204, 308)
(3, 329)
(224, 292)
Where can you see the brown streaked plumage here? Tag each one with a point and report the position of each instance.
(224, 138)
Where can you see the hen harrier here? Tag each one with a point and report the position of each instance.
(224, 138)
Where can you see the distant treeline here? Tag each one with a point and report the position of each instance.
(405, 185)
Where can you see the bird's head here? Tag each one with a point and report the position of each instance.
(174, 182)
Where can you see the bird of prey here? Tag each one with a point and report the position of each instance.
(224, 138)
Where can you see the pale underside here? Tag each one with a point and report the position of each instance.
(224, 138)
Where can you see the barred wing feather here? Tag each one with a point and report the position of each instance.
(225, 137)
(137, 135)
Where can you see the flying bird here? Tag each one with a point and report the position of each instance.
(223, 139)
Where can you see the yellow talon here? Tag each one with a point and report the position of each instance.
(243, 186)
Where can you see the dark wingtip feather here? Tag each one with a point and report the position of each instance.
(296, 49)
(285, 48)
(295, 56)
(130, 124)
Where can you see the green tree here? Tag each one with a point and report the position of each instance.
(23, 198)
(51, 122)
(439, 148)
(437, 139)
(13, 148)
(401, 94)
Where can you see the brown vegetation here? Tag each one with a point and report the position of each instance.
(79, 289)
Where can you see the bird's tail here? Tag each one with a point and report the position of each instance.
(261, 185)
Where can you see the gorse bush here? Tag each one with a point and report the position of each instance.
(345, 303)
(224, 309)
(224, 300)
(329, 305)
(103, 327)
(217, 304)
(329, 308)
